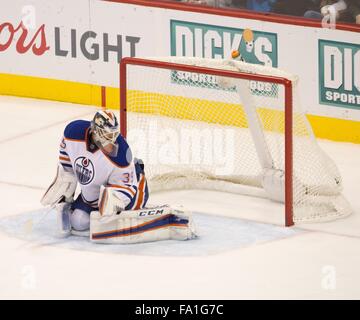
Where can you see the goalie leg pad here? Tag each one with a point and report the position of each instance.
(145, 225)
(63, 212)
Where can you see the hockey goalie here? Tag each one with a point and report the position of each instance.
(111, 206)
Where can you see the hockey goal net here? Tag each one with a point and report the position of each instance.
(230, 126)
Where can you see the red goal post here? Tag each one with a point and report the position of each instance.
(174, 65)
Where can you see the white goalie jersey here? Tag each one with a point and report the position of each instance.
(94, 168)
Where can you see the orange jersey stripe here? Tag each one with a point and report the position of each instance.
(64, 158)
(141, 193)
(76, 140)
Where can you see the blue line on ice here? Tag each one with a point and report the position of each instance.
(217, 234)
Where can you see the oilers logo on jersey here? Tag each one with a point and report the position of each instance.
(84, 170)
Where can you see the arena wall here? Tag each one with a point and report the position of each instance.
(69, 51)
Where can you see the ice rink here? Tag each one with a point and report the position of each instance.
(243, 251)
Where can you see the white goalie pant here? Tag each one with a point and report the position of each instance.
(80, 220)
(72, 221)
(145, 225)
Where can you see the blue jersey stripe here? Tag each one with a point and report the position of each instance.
(132, 203)
(65, 161)
(79, 203)
(66, 165)
(91, 203)
(131, 186)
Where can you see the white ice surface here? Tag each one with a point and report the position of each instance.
(244, 252)
(216, 234)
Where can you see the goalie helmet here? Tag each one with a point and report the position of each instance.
(105, 128)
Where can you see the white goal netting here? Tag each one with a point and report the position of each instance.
(196, 130)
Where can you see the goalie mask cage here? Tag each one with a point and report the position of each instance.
(230, 126)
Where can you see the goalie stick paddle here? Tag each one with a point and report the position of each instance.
(29, 226)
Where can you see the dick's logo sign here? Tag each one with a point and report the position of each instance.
(190, 39)
(209, 41)
(339, 74)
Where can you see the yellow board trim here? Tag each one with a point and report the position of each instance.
(335, 129)
(50, 89)
(87, 94)
(203, 110)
